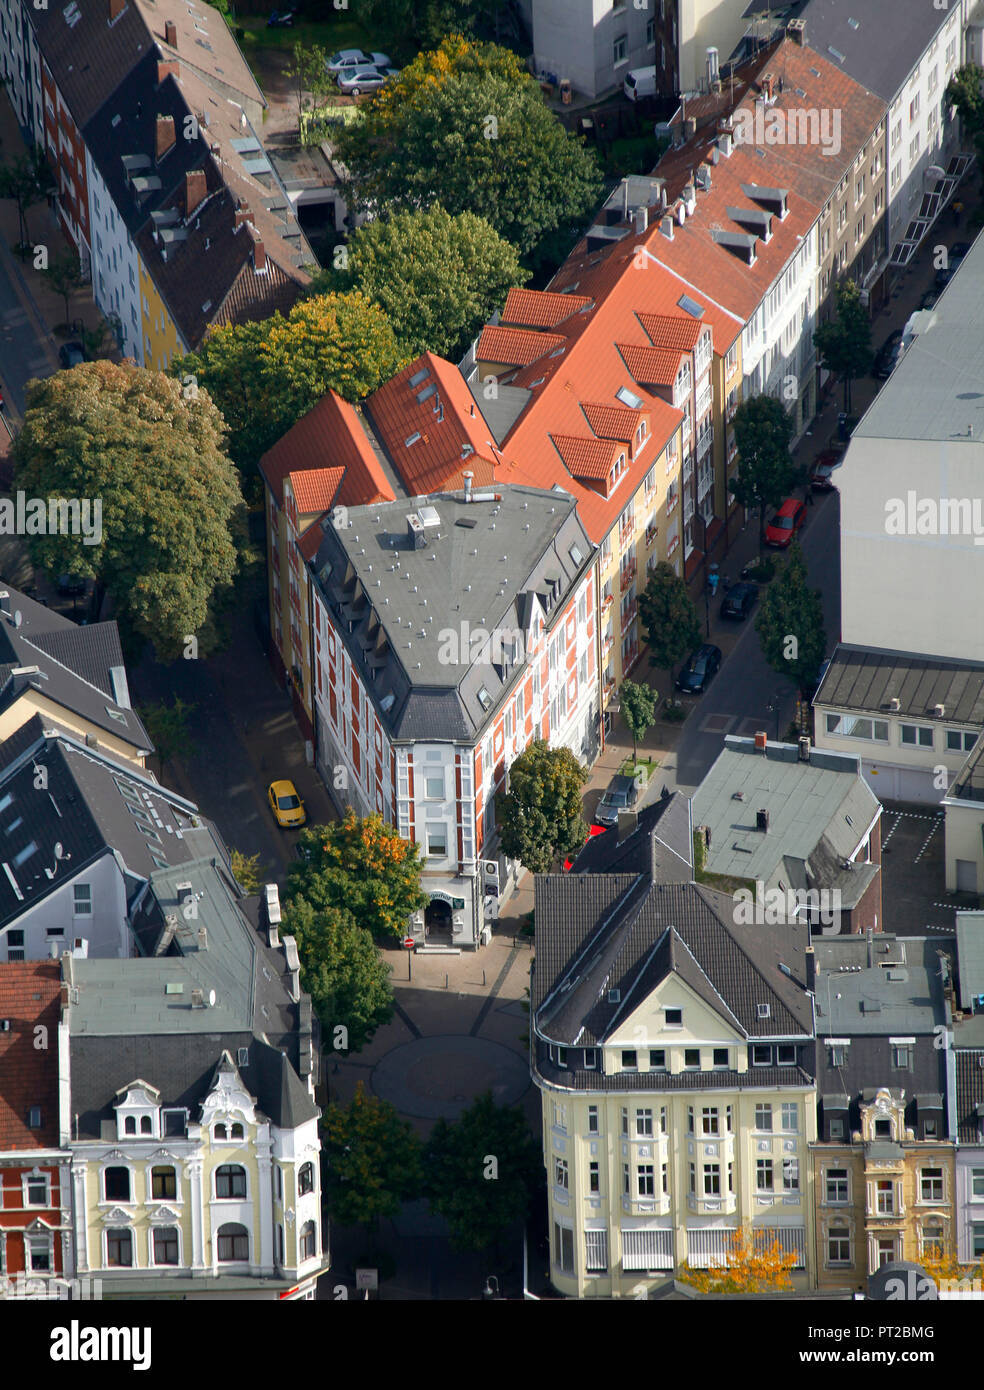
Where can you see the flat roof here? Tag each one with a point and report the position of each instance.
(868, 679)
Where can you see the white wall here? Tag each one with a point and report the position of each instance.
(575, 39)
(105, 928)
(115, 266)
(706, 24)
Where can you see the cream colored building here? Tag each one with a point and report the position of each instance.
(678, 1105)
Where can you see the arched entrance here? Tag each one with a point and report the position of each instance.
(437, 921)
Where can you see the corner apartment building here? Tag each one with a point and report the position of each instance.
(446, 638)
(883, 1160)
(673, 1052)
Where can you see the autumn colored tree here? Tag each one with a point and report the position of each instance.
(361, 864)
(373, 1160)
(151, 458)
(754, 1265)
(943, 1266)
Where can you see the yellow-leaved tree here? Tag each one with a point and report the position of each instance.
(754, 1265)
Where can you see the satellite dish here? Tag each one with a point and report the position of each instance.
(211, 998)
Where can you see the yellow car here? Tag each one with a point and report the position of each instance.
(286, 805)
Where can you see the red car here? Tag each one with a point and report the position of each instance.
(787, 521)
(822, 468)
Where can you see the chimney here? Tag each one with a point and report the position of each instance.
(241, 216)
(641, 219)
(195, 189)
(796, 30)
(762, 821)
(116, 8)
(811, 969)
(166, 70)
(170, 33)
(761, 740)
(467, 477)
(869, 938)
(804, 748)
(164, 138)
(203, 938)
(259, 251)
(768, 84)
(666, 226)
(689, 127)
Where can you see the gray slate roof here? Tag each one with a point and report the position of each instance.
(601, 932)
(970, 1095)
(865, 680)
(824, 799)
(406, 614)
(80, 668)
(661, 844)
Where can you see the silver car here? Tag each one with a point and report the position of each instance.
(348, 59)
(365, 80)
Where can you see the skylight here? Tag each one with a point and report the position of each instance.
(23, 855)
(5, 801)
(690, 306)
(420, 376)
(387, 702)
(116, 714)
(412, 439)
(426, 393)
(628, 397)
(484, 698)
(576, 554)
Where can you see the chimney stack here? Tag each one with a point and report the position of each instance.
(666, 226)
(811, 969)
(116, 8)
(689, 127)
(170, 33)
(761, 740)
(768, 84)
(467, 477)
(195, 189)
(164, 138)
(762, 821)
(259, 251)
(871, 947)
(804, 748)
(241, 216)
(796, 30)
(166, 70)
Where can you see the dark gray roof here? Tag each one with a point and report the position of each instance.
(79, 668)
(753, 1079)
(866, 679)
(661, 844)
(970, 957)
(968, 785)
(970, 1095)
(89, 56)
(630, 936)
(413, 620)
(899, 993)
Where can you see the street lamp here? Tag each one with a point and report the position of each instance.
(491, 1289)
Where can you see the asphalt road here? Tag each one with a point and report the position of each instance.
(742, 696)
(25, 352)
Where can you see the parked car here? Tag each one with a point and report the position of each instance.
(71, 585)
(822, 470)
(287, 807)
(699, 670)
(640, 82)
(621, 794)
(955, 255)
(281, 19)
(348, 59)
(360, 80)
(71, 354)
(929, 299)
(739, 601)
(788, 520)
(887, 357)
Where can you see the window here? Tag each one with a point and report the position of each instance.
(625, 1120)
(434, 787)
(594, 1177)
(166, 1245)
(280, 1244)
(900, 1056)
(763, 1117)
(857, 726)
(931, 1185)
(645, 1180)
(130, 1124)
(959, 741)
(561, 1174)
(691, 1059)
(36, 1190)
(721, 1057)
(560, 1116)
(82, 899)
(712, 1179)
(38, 1253)
(437, 841)
(305, 1179)
(790, 1174)
(119, 1248)
(590, 1058)
(620, 49)
(629, 1059)
(977, 1238)
(786, 1055)
(564, 1248)
(693, 1179)
(790, 1116)
(838, 1054)
(837, 1186)
(233, 1243)
(709, 1119)
(625, 1180)
(15, 944)
(838, 1246)
(977, 1182)
(662, 1119)
(644, 1123)
(163, 1183)
(116, 1184)
(309, 1240)
(674, 1018)
(885, 1197)
(657, 1059)
(592, 1119)
(918, 735)
(763, 1174)
(230, 1181)
(761, 1055)
(883, 1129)
(174, 1123)
(690, 1119)
(147, 1125)
(931, 1237)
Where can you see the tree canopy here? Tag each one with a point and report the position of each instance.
(361, 864)
(638, 704)
(466, 126)
(482, 1171)
(150, 458)
(342, 970)
(540, 815)
(766, 471)
(437, 278)
(668, 617)
(373, 1160)
(754, 1265)
(844, 342)
(790, 625)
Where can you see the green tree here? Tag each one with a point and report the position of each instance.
(168, 729)
(540, 815)
(638, 710)
(790, 625)
(344, 973)
(150, 461)
(844, 342)
(965, 91)
(766, 472)
(472, 140)
(308, 75)
(64, 275)
(359, 863)
(264, 376)
(437, 278)
(482, 1172)
(26, 179)
(246, 871)
(372, 1159)
(668, 617)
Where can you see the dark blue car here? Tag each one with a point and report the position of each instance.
(699, 670)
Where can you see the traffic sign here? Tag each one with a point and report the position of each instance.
(409, 942)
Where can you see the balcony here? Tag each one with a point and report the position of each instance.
(732, 406)
(628, 575)
(606, 603)
(607, 691)
(671, 502)
(651, 533)
(629, 612)
(673, 547)
(607, 642)
(688, 468)
(704, 441)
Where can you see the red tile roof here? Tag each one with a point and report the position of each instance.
(672, 330)
(541, 308)
(315, 491)
(516, 346)
(29, 997)
(451, 431)
(330, 437)
(584, 457)
(651, 366)
(611, 421)
(309, 542)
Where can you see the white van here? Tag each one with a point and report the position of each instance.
(640, 82)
